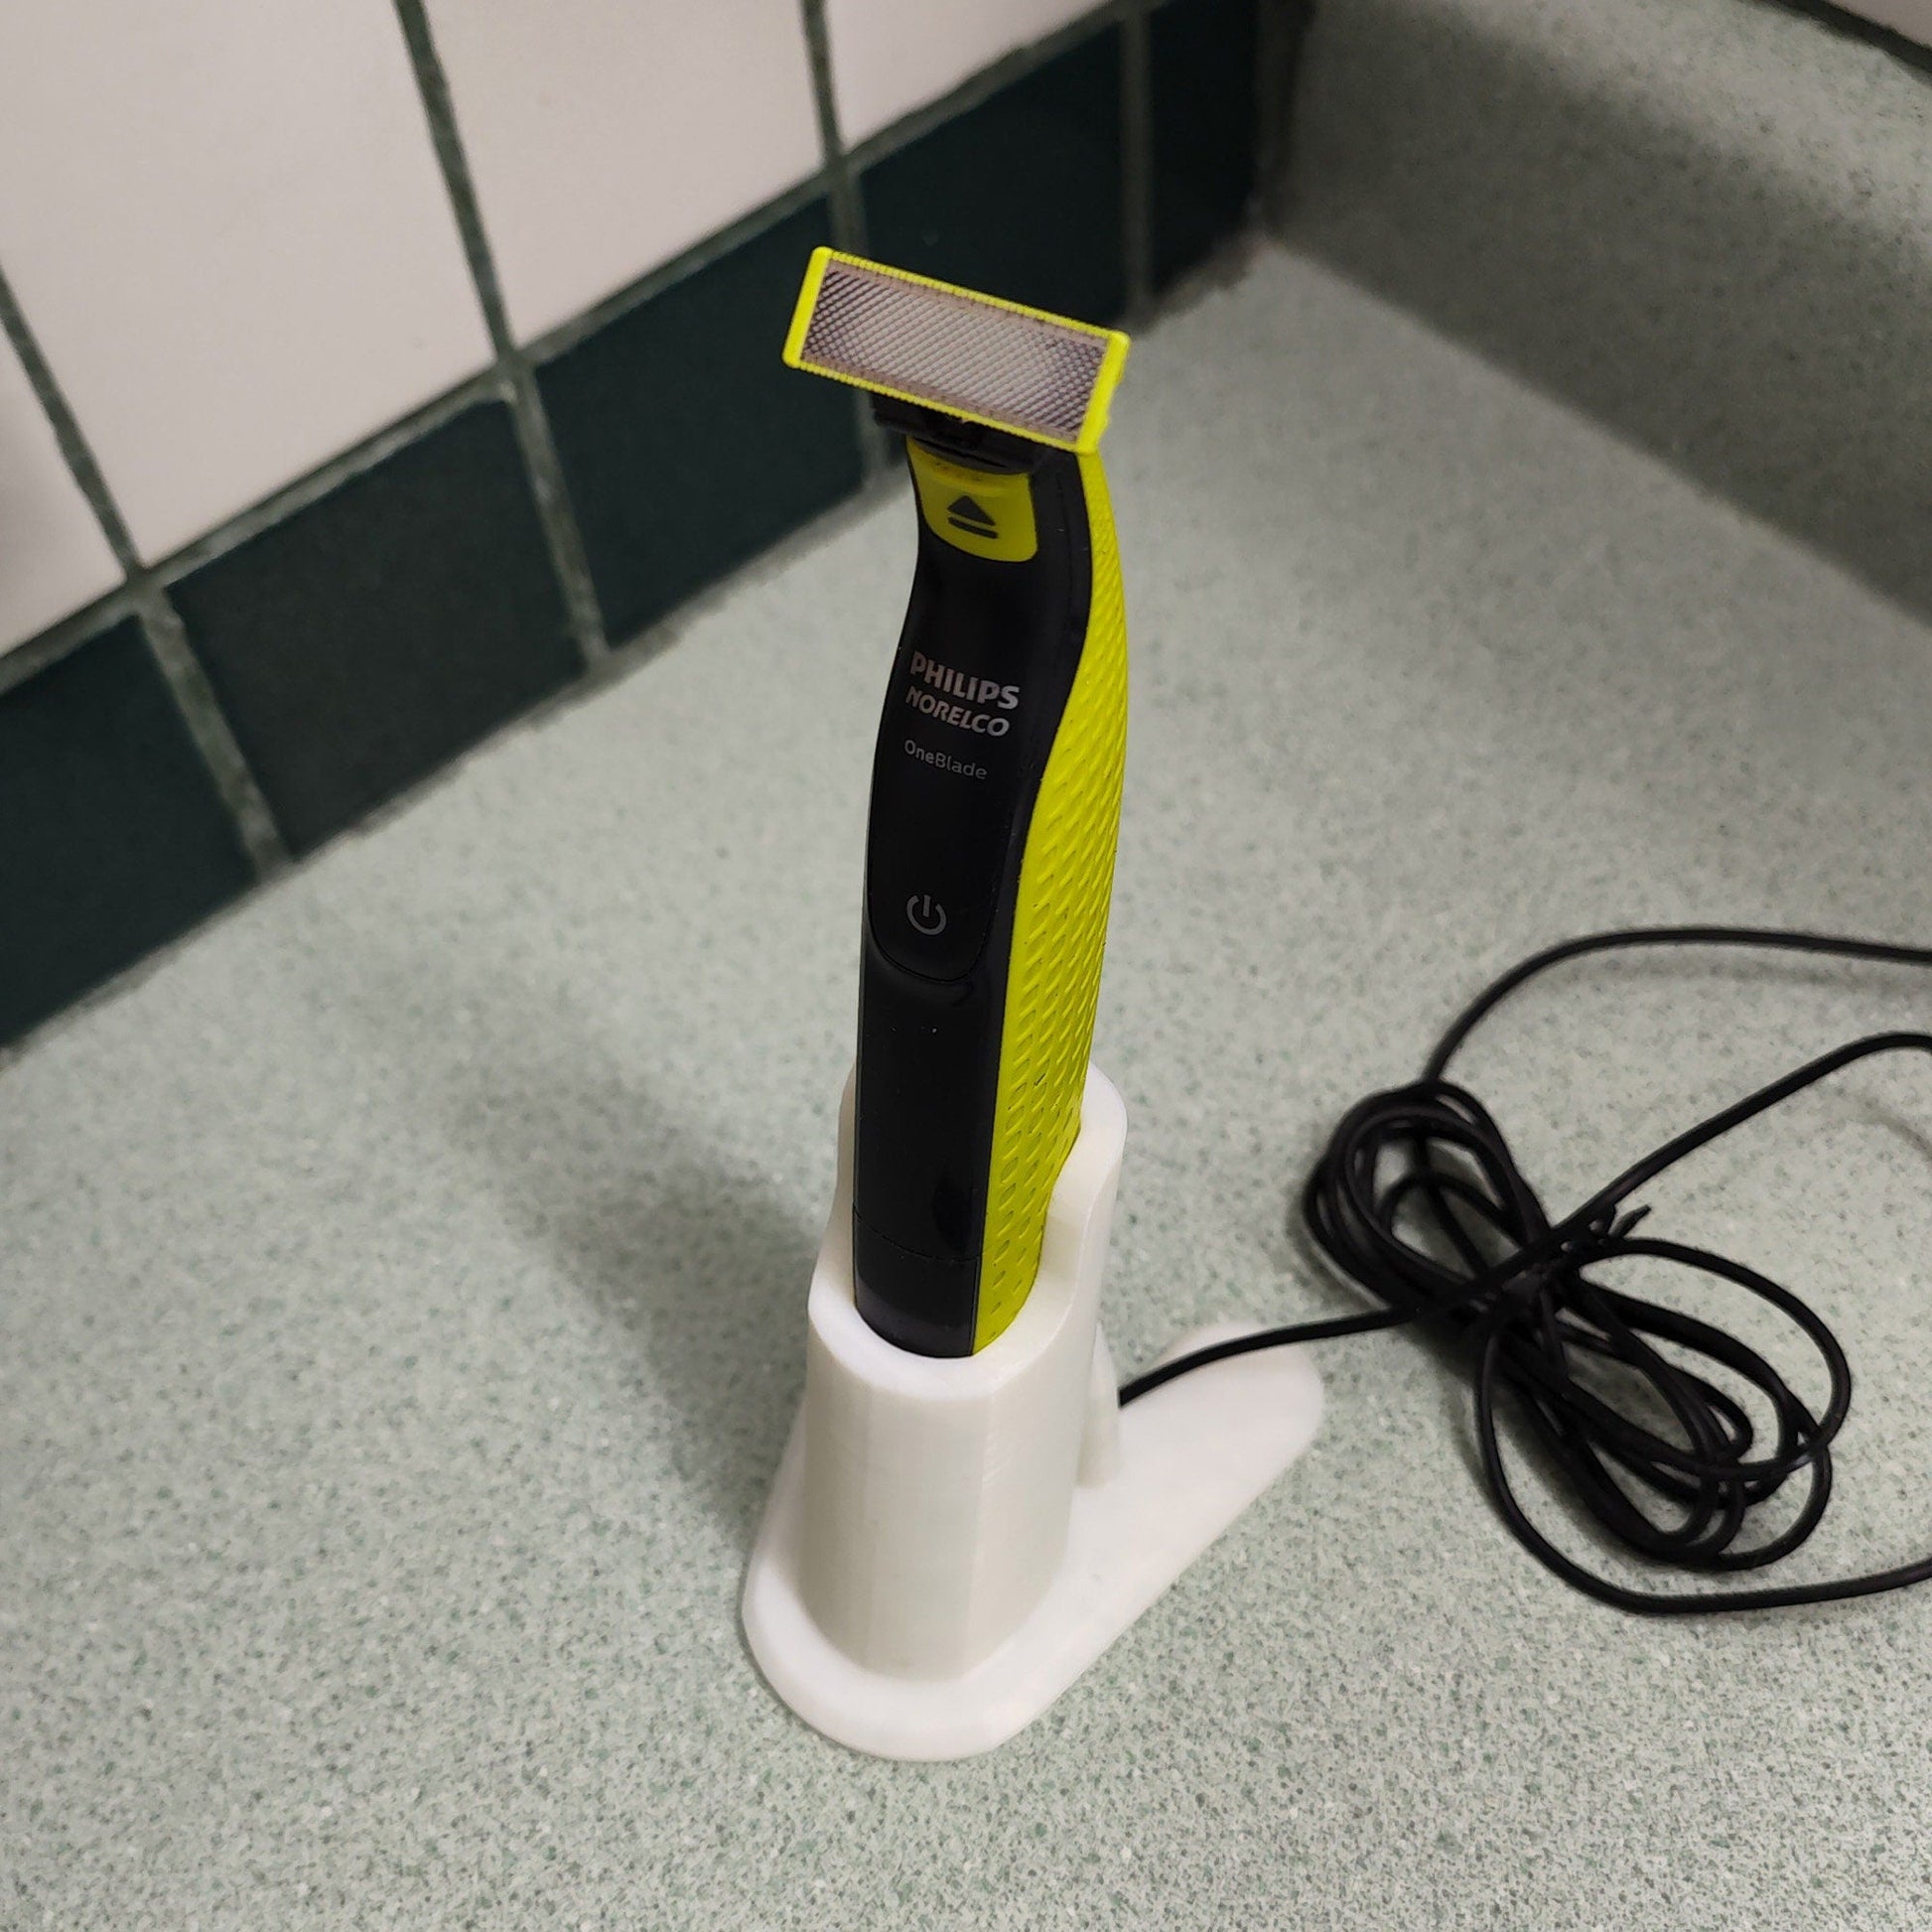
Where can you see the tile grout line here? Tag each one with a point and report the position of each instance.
(75, 449)
(562, 537)
(564, 335)
(988, 81)
(145, 595)
(168, 639)
(1137, 160)
(847, 204)
(47, 647)
(842, 189)
(26, 660)
(1280, 27)
(326, 478)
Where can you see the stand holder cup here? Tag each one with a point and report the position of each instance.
(950, 1543)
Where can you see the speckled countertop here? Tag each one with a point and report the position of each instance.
(402, 1286)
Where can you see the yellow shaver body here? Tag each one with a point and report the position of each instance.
(1059, 935)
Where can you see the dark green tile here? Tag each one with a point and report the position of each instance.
(1021, 196)
(687, 445)
(370, 637)
(113, 837)
(1201, 101)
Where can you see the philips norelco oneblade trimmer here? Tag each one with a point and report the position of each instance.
(995, 789)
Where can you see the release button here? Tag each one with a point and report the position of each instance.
(986, 512)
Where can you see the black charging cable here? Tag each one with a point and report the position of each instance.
(1418, 1199)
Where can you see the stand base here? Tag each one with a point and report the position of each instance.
(1193, 1455)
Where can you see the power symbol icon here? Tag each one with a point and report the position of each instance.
(926, 914)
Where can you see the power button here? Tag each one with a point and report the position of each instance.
(938, 929)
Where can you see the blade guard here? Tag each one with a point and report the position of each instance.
(974, 357)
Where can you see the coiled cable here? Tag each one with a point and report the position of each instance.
(1418, 1199)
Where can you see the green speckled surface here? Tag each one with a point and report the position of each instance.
(402, 1288)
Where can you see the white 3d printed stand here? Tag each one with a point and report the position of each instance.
(950, 1543)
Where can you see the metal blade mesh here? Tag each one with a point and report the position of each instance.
(954, 351)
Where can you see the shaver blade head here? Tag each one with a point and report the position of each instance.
(971, 355)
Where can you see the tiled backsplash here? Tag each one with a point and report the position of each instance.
(369, 371)
(604, 136)
(890, 58)
(224, 225)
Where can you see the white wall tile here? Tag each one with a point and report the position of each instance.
(53, 556)
(605, 136)
(225, 224)
(890, 57)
